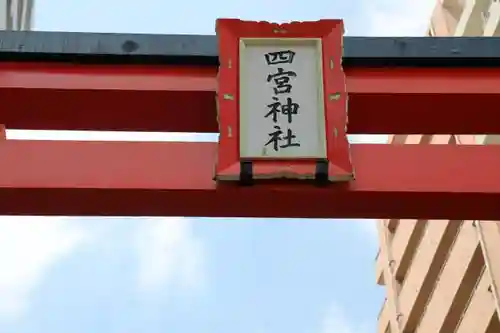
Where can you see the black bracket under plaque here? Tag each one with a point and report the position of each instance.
(320, 175)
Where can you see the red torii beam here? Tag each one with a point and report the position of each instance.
(392, 100)
(129, 90)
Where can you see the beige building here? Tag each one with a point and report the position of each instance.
(16, 14)
(465, 18)
(443, 276)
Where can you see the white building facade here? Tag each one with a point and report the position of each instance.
(16, 14)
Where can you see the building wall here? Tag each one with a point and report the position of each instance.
(16, 14)
(440, 276)
(443, 276)
(465, 18)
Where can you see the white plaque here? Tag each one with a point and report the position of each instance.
(281, 99)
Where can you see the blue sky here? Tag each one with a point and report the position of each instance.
(184, 275)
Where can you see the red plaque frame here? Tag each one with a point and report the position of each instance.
(229, 32)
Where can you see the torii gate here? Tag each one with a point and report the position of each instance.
(80, 81)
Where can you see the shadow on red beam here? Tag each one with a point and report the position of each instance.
(182, 99)
(175, 179)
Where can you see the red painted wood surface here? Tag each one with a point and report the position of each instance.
(175, 179)
(330, 32)
(182, 99)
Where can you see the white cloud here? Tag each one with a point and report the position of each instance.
(336, 321)
(398, 18)
(170, 255)
(29, 247)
